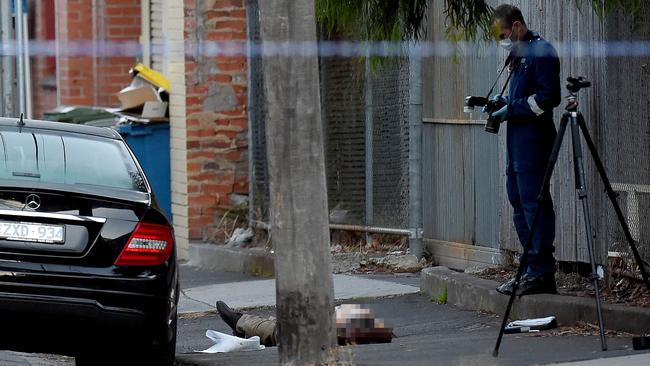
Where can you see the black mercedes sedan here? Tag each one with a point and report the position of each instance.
(87, 258)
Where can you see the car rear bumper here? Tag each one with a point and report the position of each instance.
(90, 312)
(94, 302)
(64, 324)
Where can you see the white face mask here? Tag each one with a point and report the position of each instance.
(506, 44)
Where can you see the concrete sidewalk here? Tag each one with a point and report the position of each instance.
(636, 360)
(473, 293)
(246, 293)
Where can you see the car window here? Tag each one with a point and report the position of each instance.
(68, 159)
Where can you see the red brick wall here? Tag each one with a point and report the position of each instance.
(216, 115)
(94, 79)
(121, 24)
(76, 80)
(43, 67)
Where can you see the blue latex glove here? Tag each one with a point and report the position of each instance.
(500, 98)
(501, 114)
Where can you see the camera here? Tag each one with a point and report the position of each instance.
(472, 102)
(491, 106)
(575, 84)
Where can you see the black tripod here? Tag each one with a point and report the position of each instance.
(573, 117)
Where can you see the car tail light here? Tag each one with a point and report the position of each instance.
(150, 245)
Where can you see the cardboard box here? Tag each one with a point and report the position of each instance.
(154, 109)
(132, 97)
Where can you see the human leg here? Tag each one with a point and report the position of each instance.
(265, 328)
(523, 192)
(540, 261)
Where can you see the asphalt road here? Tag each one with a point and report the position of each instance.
(427, 334)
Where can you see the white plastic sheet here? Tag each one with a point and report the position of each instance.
(531, 322)
(228, 343)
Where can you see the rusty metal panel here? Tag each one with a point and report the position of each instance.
(460, 178)
(449, 78)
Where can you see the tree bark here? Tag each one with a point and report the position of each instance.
(299, 213)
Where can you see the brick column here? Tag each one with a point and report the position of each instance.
(217, 122)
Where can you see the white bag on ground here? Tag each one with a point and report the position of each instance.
(228, 343)
(531, 325)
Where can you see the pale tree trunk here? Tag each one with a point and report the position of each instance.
(299, 215)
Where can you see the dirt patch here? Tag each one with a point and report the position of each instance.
(384, 254)
(355, 242)
(580, 329)
(622, 290)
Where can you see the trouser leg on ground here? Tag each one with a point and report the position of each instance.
(265, 328)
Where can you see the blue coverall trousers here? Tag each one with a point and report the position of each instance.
(523, 191)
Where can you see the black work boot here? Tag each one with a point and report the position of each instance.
(506, 287)
(230, 317)
(537, 285)
(529, 285)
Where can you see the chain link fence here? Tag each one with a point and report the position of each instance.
(258, 169)
(623, 135)
(390, 144)
(365, 117)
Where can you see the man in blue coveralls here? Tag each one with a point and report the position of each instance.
(534, 92)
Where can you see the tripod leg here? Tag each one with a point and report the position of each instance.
(581, 189)
(557, 144)
(612, 197)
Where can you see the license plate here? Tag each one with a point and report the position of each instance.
(26, 231)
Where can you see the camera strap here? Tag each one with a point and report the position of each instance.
(511, 58)
(517, 61)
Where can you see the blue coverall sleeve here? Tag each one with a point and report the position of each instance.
(546, 69)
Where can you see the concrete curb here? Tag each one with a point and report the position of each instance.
(473, 293)
(259, 262)
(252, 261)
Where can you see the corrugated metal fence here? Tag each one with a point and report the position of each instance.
(464, 170)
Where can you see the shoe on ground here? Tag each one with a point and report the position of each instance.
(530, 285)
(537, 285)
(506, 287)
(230, 317)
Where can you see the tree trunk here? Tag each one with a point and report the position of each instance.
(299, 214)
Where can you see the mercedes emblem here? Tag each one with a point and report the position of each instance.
(33, 202)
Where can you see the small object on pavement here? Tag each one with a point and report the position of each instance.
(240, 236)
(227, 343)
(531, 325)
(641, 343)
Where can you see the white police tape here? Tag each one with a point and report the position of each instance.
(345, 49)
